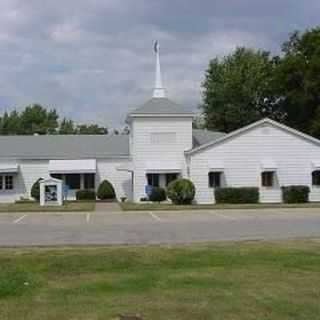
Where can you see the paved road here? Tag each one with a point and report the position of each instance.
(157, 227)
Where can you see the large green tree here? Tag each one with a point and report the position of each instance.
(298, 79)
(37, 119)
(238, 89)
(10, 123)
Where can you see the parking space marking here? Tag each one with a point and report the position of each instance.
(154, 216)
(220, 215)
(19, 219)
(88, 217)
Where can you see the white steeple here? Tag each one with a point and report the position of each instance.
(159, 91)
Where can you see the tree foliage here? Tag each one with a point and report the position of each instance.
(35, 189)
(237, 90)
(250, 84)
(299, 81)
(38, 119)
(181, 191)
(106, 191)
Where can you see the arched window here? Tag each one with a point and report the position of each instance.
(316, 178)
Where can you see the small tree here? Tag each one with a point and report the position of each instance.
(106, 191)
(181, 191)
(35, 190)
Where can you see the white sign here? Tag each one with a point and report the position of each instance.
(51, 192)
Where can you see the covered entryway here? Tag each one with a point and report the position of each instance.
(161, 173)
(76, 174)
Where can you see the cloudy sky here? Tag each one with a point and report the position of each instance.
(93, 59)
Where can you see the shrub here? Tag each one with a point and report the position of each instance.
(181, 191)
(106, 191)
(86, 195)
(157, 194)
(35, 190)
(237, 195)
(295, 194)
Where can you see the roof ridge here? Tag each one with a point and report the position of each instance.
(162, 105)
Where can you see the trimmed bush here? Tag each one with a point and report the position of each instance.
(237, 195)
(106, 191)
(158, 194)
(181, 191)
(295, 194)
(35, 190)
(86, 195)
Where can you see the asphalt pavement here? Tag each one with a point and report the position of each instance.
(175, 227)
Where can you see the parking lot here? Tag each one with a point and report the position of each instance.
(17, 229)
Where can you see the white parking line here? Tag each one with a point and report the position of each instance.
(19, 219)
(154, 216)
(220, 215)
(88, 217)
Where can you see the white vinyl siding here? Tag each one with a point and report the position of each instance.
(31, 170)
(242, 156)
(145, 150)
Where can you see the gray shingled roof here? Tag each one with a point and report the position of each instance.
(64, 146)
(161, 106)
(78, 146)
(204, 136)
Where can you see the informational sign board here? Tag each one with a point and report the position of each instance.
(51, 192)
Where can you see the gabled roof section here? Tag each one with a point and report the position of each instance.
(232, 134)
(160, 106)
(201, 137)
(64, 147)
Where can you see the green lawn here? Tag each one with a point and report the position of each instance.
(130, 206)
(35, 207)
(249, 281)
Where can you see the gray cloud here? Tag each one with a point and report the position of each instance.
(93, 59)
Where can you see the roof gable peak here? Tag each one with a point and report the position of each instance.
(252, 126)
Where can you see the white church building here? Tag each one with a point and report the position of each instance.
(162, 146)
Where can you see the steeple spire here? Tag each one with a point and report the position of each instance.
(159, 91)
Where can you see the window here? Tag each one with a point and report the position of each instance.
(153, 179)
(214, 179)
(6, 183)
(73, 181)
(171, 177)
(316, 178)
(267, 178)
(89, 181)
(163, 137)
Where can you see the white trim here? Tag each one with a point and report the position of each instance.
(6, 168)
(72, 166)
(162, 167)
(252, 126)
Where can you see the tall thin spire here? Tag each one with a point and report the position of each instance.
(159, 91)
